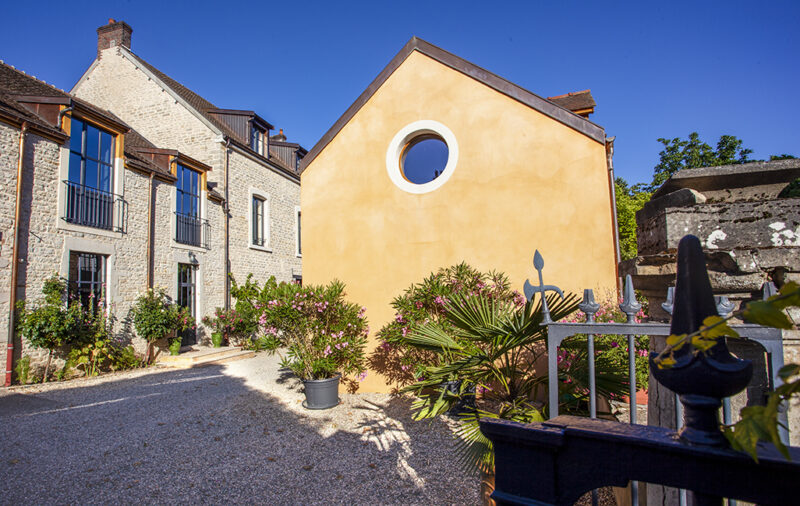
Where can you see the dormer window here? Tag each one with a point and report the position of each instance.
(257, 140)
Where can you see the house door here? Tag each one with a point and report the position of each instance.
(186, 298)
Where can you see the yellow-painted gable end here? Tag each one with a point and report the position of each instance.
(523, 181)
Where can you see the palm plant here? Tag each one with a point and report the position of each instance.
(495, 347)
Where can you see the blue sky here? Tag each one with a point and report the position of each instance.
(656, 69)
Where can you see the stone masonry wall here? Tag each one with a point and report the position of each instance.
(46, 241)
(281, 260)
(117, 85)
(9, 156)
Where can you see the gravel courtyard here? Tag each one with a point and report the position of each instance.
(232, 433)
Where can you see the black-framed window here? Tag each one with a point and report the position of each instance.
(188, 184)
(91, 156)
(87, 278)
(258, 219)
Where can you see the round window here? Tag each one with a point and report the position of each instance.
(422, 156)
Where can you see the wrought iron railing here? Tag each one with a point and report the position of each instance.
(191, 230)
(648, 439)
(91, 207)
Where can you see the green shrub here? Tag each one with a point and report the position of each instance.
(156, 317)
(425, 303)
(22, 370)
(52, 324)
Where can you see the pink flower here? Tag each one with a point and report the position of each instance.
(404, 331)
(614, 344)
(405, 367)
(418, 305)
(362, 376)
(327, 351)
(439, 300)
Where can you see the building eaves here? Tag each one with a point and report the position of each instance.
(546, 107)
(15, 113)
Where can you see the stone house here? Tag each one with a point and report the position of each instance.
(440, 161)
(116, 210)
(262, 191)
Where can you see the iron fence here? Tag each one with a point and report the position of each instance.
(770, 339)
(95, 208)
(191, 230)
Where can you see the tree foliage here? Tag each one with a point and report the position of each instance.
(679, 154)
(629, 200)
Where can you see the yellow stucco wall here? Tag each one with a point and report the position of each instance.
(523, 182)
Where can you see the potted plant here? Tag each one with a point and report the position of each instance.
(156, 317)
(221, 325)
(324, 336)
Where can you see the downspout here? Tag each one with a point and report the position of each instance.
(150, 238)
(612, 188)
(12, 297)
(226, 210)
(61, 114)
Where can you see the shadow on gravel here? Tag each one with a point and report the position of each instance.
(203, 436)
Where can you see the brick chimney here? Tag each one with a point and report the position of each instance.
(115, 33)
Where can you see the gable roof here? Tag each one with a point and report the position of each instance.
(205, 109)
(546, 107)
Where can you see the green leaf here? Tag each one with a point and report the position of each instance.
(788, 371)
(788, 296)
(767, 314)
(676, 342)
(703, 344)
(715, 327)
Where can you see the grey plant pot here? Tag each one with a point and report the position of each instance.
(322, 394)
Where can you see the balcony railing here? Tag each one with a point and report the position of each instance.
(191, 230)
(95, 208)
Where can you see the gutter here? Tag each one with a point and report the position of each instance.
(613, 189)
(226, 211)
(150, 238)
(12, 298)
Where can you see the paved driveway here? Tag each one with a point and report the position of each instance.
(233, 433)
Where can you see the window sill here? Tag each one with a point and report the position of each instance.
(298, 255)
(260, 248)
(189, 247)
(71, 227)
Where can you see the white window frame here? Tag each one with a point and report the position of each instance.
(265, 197)
(297, 232)
(406, 134)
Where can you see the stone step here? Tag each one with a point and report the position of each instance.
(192, 356)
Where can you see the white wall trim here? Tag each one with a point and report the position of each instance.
(395, 151)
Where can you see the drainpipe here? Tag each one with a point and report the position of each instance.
(612, 188)
(150, 234)
(12, 297)
(61, 114)
(226, 210)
